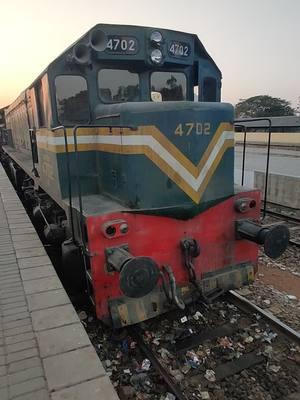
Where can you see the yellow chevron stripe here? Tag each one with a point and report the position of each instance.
(147, 151)
(162, 165)
(142, 130)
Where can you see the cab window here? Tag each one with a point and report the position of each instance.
(118, 85)
(209, 89)
(40, 104)
(171, 85)
(72, 101)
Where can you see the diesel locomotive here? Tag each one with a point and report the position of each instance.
(125, 154)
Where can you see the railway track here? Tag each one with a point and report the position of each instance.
(226, 369)
(248, 306)
(283, 216)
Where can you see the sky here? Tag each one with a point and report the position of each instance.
(255, 43)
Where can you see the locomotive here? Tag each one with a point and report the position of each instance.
(126, 156)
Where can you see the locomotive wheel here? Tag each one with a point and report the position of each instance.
(73, 274)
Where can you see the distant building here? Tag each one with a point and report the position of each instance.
(279, 124)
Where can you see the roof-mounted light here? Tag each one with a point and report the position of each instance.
(98, 40)
(81, 54)
(156, 56)
(156, 37)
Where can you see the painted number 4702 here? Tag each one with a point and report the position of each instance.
(198, 128)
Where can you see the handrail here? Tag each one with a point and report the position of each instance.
(244, 151)
(108, 116)
(69, 177)
(34, 151)
(239, 123)
(75, 129)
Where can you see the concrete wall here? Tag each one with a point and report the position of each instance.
(284, 190)
(277, 138)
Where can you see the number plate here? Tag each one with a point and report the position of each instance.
(179, 49)
(122, 45)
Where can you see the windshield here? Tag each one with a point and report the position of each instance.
(171, 85)
(72, 99)
(121, 85)
(118, 85)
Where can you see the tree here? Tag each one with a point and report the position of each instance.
(263, 106)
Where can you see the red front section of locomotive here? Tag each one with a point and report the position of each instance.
(160, 237)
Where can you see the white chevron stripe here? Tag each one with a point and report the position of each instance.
(151, 142)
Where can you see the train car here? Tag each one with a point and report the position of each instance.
(132, 177)
(2, 127)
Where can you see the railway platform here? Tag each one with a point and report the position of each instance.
(45, 353)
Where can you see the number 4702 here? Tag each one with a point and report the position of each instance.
(199, 128)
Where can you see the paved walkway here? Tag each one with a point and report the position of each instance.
(45, 352)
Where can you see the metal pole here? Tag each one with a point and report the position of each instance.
(267, 170)
(69, 178)
(244, 154)
(240, 123)
(79, 186)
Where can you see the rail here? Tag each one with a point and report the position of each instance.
(278, 325)
(174, 387)
(223, 370)
(284, 216)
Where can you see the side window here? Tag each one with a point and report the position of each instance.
(209, 89)
(72, 102)
(196, 93)
(40, 104)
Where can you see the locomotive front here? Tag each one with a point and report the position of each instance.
(169, 228)
(143, 164)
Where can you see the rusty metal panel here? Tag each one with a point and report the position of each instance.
(46, 100)
(31, 107)
(17, 120)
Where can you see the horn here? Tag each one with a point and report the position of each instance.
(98, 40)
(81, 54)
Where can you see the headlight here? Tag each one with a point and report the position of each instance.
(156, 56)
(244, 204)
(156, 37)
